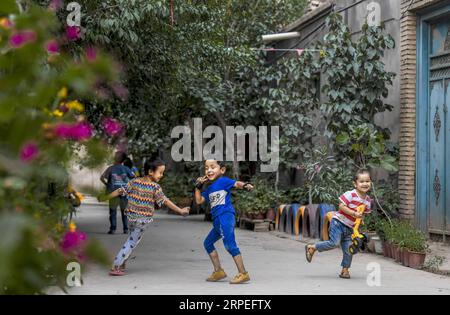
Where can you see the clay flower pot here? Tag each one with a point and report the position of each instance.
(389, 250)
(270, 215)
(260, 216)
(416, 260)
(398, 254)
(384, 246)
(405, 257)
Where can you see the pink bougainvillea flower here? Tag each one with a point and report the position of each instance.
(74, 242)
(73, 33)
(112, 127)
(52, 46)
(63, 131)
(29, 152)
(55, 5)
(18, 39)
(91, 53)
(79, 131)
(120, 90)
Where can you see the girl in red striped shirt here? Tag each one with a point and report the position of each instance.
(341, 227)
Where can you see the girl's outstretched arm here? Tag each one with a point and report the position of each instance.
(115, 193)
(183, 211)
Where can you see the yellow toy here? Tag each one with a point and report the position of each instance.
(359, 240)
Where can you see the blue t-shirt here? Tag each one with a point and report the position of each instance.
(118, 176)
(218, 194)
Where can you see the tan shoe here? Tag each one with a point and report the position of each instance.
(217, 275)
(240, 278)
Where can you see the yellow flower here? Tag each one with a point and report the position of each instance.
(322, 54)
(57, 113)
(62, 93)
(46, 126)
(80, 196)
(5, 23)
(72, 227)
(75, 105)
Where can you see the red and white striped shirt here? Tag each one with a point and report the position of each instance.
(352, 200)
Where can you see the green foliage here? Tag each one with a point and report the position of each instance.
(415, 241)
(259, 200)
(177, 185)
(389, 198)
(33, 188)
(201, 66)
(381, 227)
(433, 264)
(325, 179)
(366, 147)
(356, 85)
(357, 80)
(403, 234)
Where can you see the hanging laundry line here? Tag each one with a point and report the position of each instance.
(298, 51)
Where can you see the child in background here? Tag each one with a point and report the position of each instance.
(218, 194)
(142, 193)
(115, 177)
(341, 227)
(129, 163)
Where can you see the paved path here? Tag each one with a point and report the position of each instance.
(170, 260)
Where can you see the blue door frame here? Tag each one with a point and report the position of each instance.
(423, 128)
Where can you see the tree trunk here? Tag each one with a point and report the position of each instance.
(223, 125)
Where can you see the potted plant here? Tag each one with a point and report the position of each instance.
(260, 215)
(370, 229)
(388, 235)
(243, 202)
(270, 214)
(416, 246)
(398, 239)
(380, 227)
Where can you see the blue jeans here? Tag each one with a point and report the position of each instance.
(113, 204)
(223, 227)
(339, 234)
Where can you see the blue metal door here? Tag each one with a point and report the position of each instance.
(439, 128)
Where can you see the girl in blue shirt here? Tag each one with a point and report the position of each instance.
(218, 194)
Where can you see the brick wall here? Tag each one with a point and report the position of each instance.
(407, 138)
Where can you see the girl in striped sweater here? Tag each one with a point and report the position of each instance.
(142, 194)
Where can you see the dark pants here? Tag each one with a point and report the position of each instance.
(113, 204)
